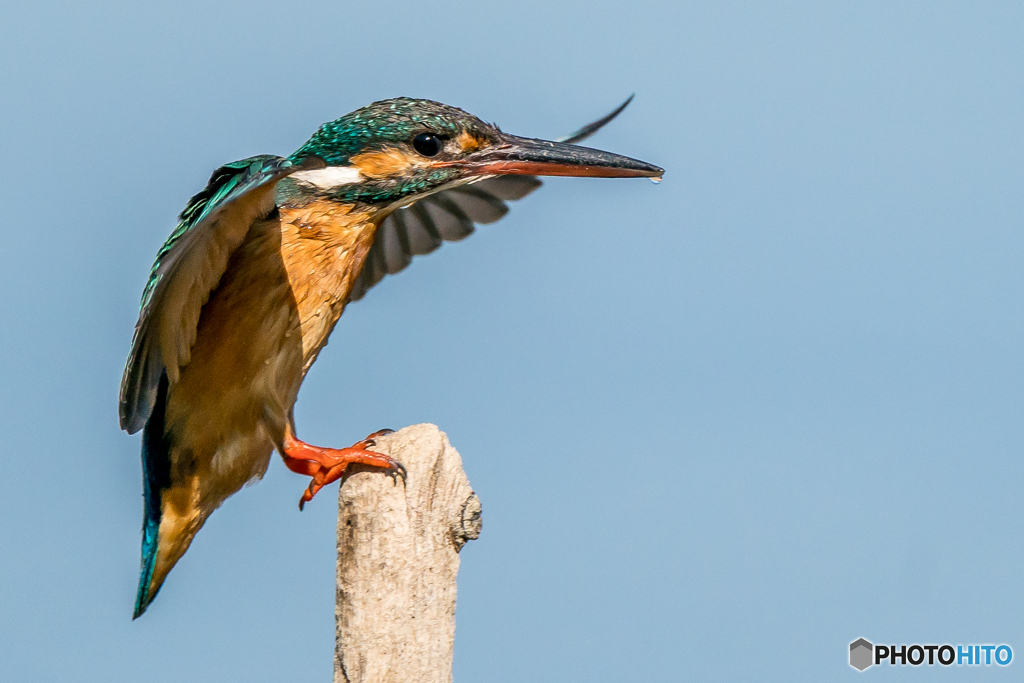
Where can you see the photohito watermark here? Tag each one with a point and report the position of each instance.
(863, 654)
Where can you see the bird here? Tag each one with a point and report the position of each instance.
(245, 292)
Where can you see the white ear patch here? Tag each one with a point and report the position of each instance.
(329, 177)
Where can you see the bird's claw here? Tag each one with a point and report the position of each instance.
(327, 465)
(398, 471)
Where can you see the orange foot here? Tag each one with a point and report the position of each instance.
(326, 465)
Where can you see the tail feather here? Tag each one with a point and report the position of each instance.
(156, 474)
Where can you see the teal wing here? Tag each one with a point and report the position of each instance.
(449, 216)
(187, 268)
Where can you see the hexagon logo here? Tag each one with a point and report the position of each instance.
(862, 654)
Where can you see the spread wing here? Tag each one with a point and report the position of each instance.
(187, 268)
(449, 216)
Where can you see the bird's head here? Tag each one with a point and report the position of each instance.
(394, 151)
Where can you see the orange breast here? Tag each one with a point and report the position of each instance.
(323, 246)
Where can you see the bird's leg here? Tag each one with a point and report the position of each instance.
(327, 465)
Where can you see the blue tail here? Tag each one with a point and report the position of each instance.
(156, 476)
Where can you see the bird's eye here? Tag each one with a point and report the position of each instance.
(427, 144)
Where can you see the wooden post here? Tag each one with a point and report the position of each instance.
(398, 557)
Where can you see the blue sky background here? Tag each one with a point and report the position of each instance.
(721, 427)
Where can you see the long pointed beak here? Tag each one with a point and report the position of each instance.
(514, 155)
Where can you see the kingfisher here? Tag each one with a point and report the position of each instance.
(247, 289)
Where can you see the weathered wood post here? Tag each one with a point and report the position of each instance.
(398, 558)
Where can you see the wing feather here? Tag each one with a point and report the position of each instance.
(398, 251)
(187, 268)
(478, 205)
(452, 222)
(446, 216)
